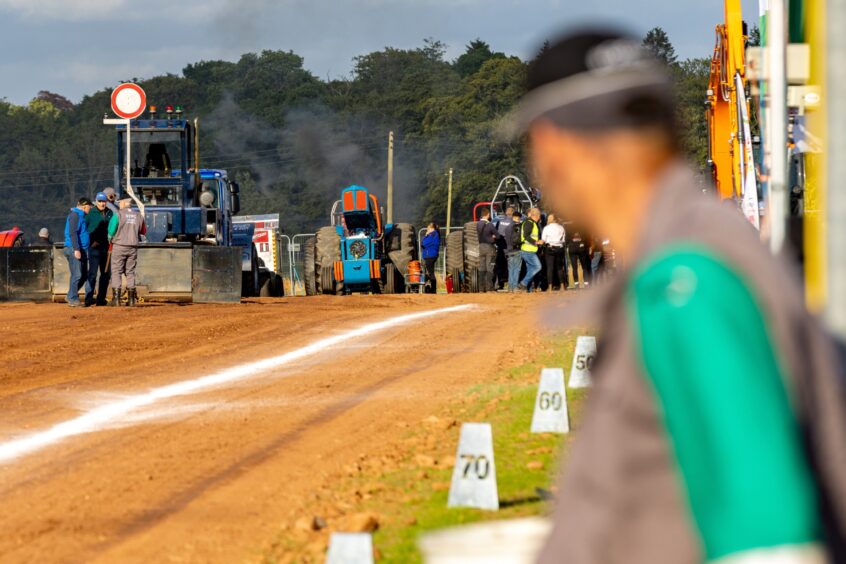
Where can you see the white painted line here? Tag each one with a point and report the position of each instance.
(99, 417)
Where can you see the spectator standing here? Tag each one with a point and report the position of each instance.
(125, 230)
(43, 239)
(111, 199)
(504, 226)
(487, 251)
(530, 244)
(554, 236)
(98, 253)
(579, 256)
(76, 250)
(512, 252)
(596, 258)
(431, 246)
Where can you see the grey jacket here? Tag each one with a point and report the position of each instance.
(620, 500)
(130, 226)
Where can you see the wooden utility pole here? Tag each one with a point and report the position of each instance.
(390, 177)
(449, 201)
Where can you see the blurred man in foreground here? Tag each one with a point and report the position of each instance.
(715, 431)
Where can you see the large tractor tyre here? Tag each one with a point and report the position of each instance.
(455, 258)
(266, 287)
(456, 281)
(471, 246)
(327, 250)
(272, 286)
(309, 273)
(473, 280)
(455, 251)
(250, 286)
(327, 279)
(391, 283)
(402, 249)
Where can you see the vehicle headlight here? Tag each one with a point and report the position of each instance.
(358, 249)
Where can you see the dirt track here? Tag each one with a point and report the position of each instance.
(214, 476)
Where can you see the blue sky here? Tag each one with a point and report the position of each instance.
(75, 47)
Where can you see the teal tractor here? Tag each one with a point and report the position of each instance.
(358, 253)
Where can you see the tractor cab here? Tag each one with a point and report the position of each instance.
(180, 205)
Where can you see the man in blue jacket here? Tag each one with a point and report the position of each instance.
(76, 249)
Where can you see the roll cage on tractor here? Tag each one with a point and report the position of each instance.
(509, 193)
(462, 247)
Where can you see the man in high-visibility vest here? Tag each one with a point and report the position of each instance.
(716, 427)
(531, 242)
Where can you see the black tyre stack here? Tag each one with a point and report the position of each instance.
(401, 248)
(309, 274)
(327, 250)
(455, 258)
(471, 257)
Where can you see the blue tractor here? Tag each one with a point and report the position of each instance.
(192, 251)
(192, 248)
(358, 253)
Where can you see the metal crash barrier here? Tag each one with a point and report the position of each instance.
(182, 272)
(25, 273)
(217, 275)
(165, 272)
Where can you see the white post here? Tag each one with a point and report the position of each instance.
(129, 189)
(128, 167)
(835, 195)
(777, 116)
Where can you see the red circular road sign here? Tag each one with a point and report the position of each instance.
(129, 101)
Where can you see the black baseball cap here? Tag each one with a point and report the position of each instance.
(84, 202)
(595, 79)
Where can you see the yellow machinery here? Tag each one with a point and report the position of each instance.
(725, 143)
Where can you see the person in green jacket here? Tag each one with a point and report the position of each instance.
(98, 251)
(715, 431)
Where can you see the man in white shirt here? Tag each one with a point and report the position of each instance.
(553, 235)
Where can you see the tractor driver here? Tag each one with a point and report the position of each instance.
(158, 161)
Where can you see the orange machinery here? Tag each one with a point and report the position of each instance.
(724, 115)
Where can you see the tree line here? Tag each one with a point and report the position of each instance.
(294, 140)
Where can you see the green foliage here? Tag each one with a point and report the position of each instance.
(754, 37)
(658, 43)
(294, 140)
(477, 54)
(463, 134)
(691, 85)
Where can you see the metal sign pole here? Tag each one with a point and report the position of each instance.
(777, 114)
(128, 167)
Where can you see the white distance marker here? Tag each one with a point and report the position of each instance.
(474, 475)
(551, 404)
(583, 359)
(350, 548)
